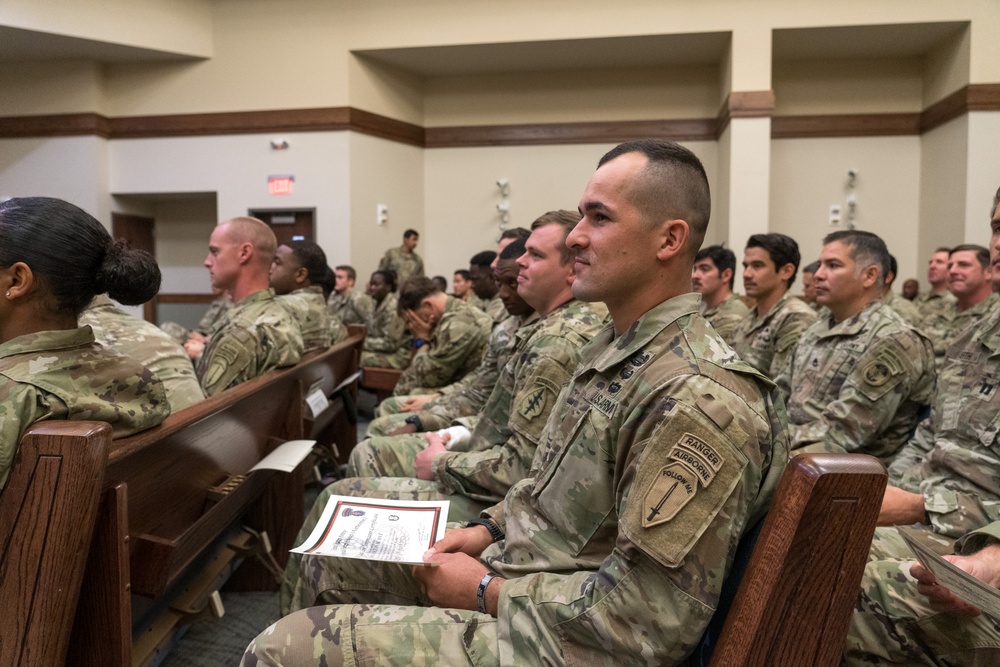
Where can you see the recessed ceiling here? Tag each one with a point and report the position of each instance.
(19, 45)
(568, 54)
(858, 42)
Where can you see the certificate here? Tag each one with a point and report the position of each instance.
(399, 531)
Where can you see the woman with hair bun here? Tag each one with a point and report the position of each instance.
(54, 258)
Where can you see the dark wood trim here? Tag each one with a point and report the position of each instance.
(845, 125)
(973, 97)
(385, 127)
(744, 104)
(686, 129)
(58, 125)
(240, 122)
(184, 298)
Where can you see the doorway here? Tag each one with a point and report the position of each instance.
(289, 224)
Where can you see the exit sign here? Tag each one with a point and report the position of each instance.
(280, 185)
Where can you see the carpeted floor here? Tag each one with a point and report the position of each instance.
(220, 642)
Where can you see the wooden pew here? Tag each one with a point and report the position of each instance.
(181, 512)
(794, 603)
(47, 514)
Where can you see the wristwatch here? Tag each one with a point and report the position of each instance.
(490, 525)
(416, 421)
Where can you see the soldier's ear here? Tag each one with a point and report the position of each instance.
(870, 276)
(17, 280)
(673, 238)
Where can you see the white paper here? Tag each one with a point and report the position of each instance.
(954, 578)
(317, 402)
(286, 456)
(398, 531)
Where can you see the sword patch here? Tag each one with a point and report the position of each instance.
(671, 490)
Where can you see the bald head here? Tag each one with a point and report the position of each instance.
(245, 229)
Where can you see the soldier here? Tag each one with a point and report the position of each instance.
(449, 336)
(345, 303)
(911, 289)
(903, 307)
(296, 274)
(969, 282)
(430, 412)
(149, 345)
(507, 237)
(766, 338)
(714, 268)
(859, 378)
(659, 452)
(462, 285)
(404, 260)
(387, 343)
(474, 470)
(484, 285)
(809, 284)
(257, 335)
(938, 300)
(944, 479)
(54, 258)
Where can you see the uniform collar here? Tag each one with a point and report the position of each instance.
(642, 331)
(46, 341)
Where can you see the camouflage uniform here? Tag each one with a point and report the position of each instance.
(212, 319)
(465, 397)
(496, 310)
(893, 624)
(256, 336)
(66, 375)
(659, 453)
(454, 348)
(858, 385)
(318, 327)
(945, 327)
(404, 264)
(387, 343)
(473, 300)
(147, 344)
(767, 342)
(905, 309)
(726, 316)
(353, 307)
(932, 304)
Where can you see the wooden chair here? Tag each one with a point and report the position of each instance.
(794, 602)
(47, 513)
(382, 381)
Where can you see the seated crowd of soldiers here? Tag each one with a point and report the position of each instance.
(606, 417)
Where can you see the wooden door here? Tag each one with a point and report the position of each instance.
(138, 230)
(289, 224)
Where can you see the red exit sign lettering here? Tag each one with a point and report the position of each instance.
(280, 185)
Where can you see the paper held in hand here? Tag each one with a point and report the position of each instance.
(399, 531)
(955, 579)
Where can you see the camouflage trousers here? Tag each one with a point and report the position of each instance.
(398, 360)
(893, 625)
(386, 423)
(392, 456)
(362, 634)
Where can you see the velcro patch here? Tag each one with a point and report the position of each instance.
(671, 490)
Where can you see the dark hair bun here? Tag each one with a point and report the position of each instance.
(129, 276)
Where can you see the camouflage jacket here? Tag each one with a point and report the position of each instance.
(468, 396)
(662, 449)
(932, 304)
(945, 326)
(318, 327)
(954, 456)
(767, 342)
(454, 348)
(496, 310)
(503, 444)
(147, 344)
(257, 335)
(387, 332)
(726, 316)
(905, 309)
(215, 315)
(858, 385)
(66, 375)
(404, 264)
(354, 307)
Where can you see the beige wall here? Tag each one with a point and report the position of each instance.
(943, 173)
(181, 231)
(811, 87)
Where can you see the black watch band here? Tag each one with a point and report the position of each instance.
(490, 525)
(416, 421)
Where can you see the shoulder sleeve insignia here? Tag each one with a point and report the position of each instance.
(876, 373)
(692, 460)
(533, 404)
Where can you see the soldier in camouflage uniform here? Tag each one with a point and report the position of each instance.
(658, 454)
(54, 258)
(903, 307)
(387, 343)
(147, 344)
(212, 318)
(404, 261)
(345, 303)
(450, 335)
(296, 274)
(430, 412)
(714, 268)
(859, 378)
(938, 300)
(945, 479)
(257, 335)
(766, 338)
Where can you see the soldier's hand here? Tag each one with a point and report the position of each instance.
(425, 457)
(900, 508)
(194, 348)
(471, 541)
(455, 581)
(417, 403)
(405, 429)
(984, 565)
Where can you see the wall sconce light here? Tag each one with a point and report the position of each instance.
(279, 144)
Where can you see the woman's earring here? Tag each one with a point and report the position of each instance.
(7, 294)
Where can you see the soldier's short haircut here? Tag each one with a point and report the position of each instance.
(982, 254)
(72, 255)
(893, 270)
(464, 273)
(811, 268)
(567, 220)
(441, 282)
(329, 282)
(483, 259)
(409, 233)
(388, 276)
(414, 291)
(672, 186)
(518, 233)
(244, 229)
(349, 270)
(513, 250)
(996, 202)
(942, 248)
(722, 258)
(312, 258)
(866, 250)
(780, 248)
